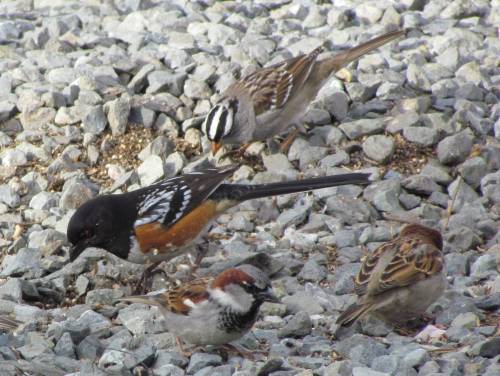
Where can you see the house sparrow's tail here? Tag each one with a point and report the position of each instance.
(7, 324)
(157, 299)
(353, 313)
(241, 192)
(340, 60)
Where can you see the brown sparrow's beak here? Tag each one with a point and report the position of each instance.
(215, 147)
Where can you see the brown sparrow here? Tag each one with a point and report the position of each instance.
(266, 102)
(401, 278)
(213, 311)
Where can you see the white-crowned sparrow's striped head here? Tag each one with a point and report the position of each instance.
(219, 121)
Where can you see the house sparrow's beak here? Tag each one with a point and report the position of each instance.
(268, 296)
(215, 147)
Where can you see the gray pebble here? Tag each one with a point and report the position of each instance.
(421, 135)
(65, 346)
(312, 271)
(94, 120)
(421, 184)
(142, 115)
(299, 325)
(117, 112)
(202, 360)
(379, 148)
(454, 149)
(151, 170)
(364, 371)
(166, 81)
(362, 127)
(302, 301)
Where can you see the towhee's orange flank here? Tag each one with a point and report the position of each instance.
(159, 222)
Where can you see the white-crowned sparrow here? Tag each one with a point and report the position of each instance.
(401, 278)
(213, 311)
(266, 102)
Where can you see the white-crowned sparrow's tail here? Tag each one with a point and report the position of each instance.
(238, 193)
(333, 64)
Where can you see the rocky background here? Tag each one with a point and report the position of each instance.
(100, 96)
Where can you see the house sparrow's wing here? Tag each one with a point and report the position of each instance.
(184, 298)
(180, 300)
(270, 88)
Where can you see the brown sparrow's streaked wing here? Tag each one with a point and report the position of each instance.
(414, 261)
(271, 87)
(368, 265)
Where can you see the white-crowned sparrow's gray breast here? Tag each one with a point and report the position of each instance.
(400, 279)
(213, 311)
(266, 102)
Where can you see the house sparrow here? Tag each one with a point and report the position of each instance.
(401, 278)
(266, 102)
(213, 311)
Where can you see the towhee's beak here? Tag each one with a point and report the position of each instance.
(215, 147)
(77, 249)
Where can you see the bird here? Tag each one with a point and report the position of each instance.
(162, 221)
(400, 279)
(7, 324)
(212, 311)
(265, 103)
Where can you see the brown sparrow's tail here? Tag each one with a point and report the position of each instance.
(352, 314)
(241, 192)
(7, 324)
(340, 60)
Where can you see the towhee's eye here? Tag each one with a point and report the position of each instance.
(86, 233)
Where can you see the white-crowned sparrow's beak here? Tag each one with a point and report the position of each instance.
(215, 147)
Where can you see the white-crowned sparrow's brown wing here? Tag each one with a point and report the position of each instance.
(271, 87)
(412, 257)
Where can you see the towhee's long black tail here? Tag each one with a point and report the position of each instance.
(242, 192)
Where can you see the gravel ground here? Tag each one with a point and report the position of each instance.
(99, 96)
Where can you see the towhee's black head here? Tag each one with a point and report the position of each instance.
(102, 222)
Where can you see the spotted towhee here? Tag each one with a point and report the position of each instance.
(159, 222)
